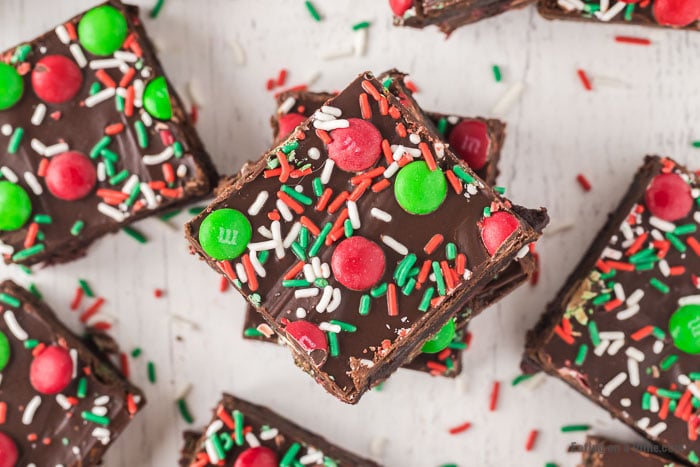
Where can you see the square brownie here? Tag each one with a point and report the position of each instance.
(61, 402)
(625, 328)
(96, 137)
(248, 435)
(364, 164)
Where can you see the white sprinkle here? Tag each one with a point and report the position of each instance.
(658, 347)
(268, 434)
(125, 56)
(604, 5)
(238, 52)
(308, 271)
(287, 105)
(327, 171)
(328, 327)
(633, 371)
(656, 430)
(689, 300)
(240, 272)
(566, 5)
(14, 326)
(105, 94)
(316, 266)
(413, 152)
(284, 210)
(74, 358)
(6, 249)
(635, 297)
(615, 346)
(112, 212)
(510, 97)
(335, 303)
(149, 196)
(626, 231)
(105, 63)
(653, 404)
(39, 114)
(101, 400)
(612, 12)
(414, 138)
(130, 184)
(56, 149)
(354, 215)
(314, 153)
(262, 246)
(214, 427)
(146, 119)
(258, 204)
(657, 235)
(395, 245)
(391, 170)
(331, 125)
(156, 159)
(101, 171)
(601, 348)
(611, 253)
(6, 129)
(330, 110)
(338, 53)
(63, 402)
(643, 423)
(619, 291)
(381, 215)
(626, 402)
(257, 266)
(439, 149)
(635, 353)
(360, 45)
(661, 224)
(277, 239)
(211, 452)
(33, 183)
(78, 55)
(313, 457)
(612, 335)
(9, 174)
(138, 94)
(691, 386)
(398, 152)
(30, 410)
(696, 216)
(300, 313)
(325, 299)
(292, 235)
(121, 92)
(100, 411)
(181, 171)
(312, 78)
(613, 384)
(305, 293)
(664, 268)
(252, 440)
(323, 117)
(101, 432)
(325, 271)
(62, 34)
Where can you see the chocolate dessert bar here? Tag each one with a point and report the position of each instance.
(625, 328)
(95, 136)
(343, 237)
(61, 403)
(601, 452)
(449, 15)
(666, 13)
(249, 435)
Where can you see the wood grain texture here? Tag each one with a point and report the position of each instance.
(645, 100)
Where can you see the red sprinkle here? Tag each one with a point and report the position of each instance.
(584, 80)
(632, 40)
(77, 298)
(532, 437)
(460, 428)
(282, 77)
(124, 361)
(92, 310)
(493, 402)
(159, 293)
(583, 181)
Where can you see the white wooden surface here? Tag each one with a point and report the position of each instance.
(645, 101)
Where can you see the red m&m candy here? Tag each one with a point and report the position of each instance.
(470, 140)
(259, 456)
(311, 339)
(56, 79)
(70, 176)
(51, 371)
(496, 229)
(358, 263)
(668, 197)
(287, 123)
(356, 147)
(8, 451)
(400, 7)
(678, 13)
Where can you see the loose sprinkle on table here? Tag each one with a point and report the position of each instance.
(151, 372)
(135, 234)
(156, 8)
(573, 428)
(497, 73)
(313, 11)
(584, 80)
(493, 401)
(460, 428)
(531, 439)
(583, 181)
(632, 40)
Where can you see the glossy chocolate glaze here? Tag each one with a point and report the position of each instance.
(362, 362)
(63, 437)
(601, 452)
(547, 349)
(260, 420)
(82, 127)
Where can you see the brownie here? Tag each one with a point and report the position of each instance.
(663, 13)
(625, 328)
(61, 403)
(365, 153)
(96, 137)
(248, 435)
(449, 15)
(601, 452)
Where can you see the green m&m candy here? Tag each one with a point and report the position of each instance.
(156, 99)
(15, 206)
(102, 30)
(225, 234)
(684, 326)
(441, 340)
(11, 86)
(420, 190)
(4, 351)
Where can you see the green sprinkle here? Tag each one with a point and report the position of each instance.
(135, 192)
(519, 379)
(91, 417)
(442, 126)
(333, 344)
(328, 462)
(320, 282)
(303, 199)
(379, 290)
(458, 345)
(320, 239)
(120, 177)
(668, 362)
(645, 266)
(151, 372)
(696, 144)
(21, 53)
(449, 465)
(601, 299)
(668, 394)
(293, 450)
(693, 457)
(425, 301)
(26, 269)
(81, 392)
(409, 287)
(694, 375)
(101, 144)
(252, 332)
(30, 343)
(135, 234)
(676, 242)
(347, 226)
(42, 219)
(263, 256)
(156, 10)
(551, 464)
(658, 285)
(347, 327)
(646, 401)
(196, 210)
(255, 298)
(439, 279)
(109, 167)
(119, 103)
(86, 288)
(141, 134)
(501, 190)
(216, 442)
(15, 140)
(387, 83)
(593, 332)
(303, 237)
(629, 11)
(185, 411)
(571, 428)
(298, 251)
(95, 88)
(110, 155)
(28, 252)
(451, 251)
(497, 73)
(315, 15)
(10, 300)
(581, 356)
(643, 256)
(177, 150)
(238, 420)
(317, 186)
(364, 305)
(402, 270)
(685, 229)
(296, 283)
(136, 352)
(361, 25)
(291, 146)
(459, 171)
